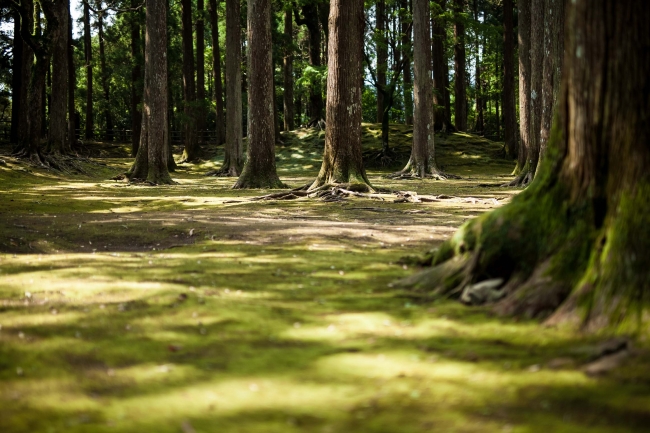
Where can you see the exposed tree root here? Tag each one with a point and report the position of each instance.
(410, 175)
(223, 172)
(524, 178)
(64, 163)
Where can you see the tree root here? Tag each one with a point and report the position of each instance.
(409, 175)
(521, 181)
(223, 172)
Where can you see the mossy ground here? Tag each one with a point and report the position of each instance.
(181, 308)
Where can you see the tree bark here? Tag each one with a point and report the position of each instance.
(216, 69)
(311, 20)
(59, 106)
(200, 70)
(342, 159)
(460, 103)
(16, 82)
(136, 81)
(536, 78)
(108, 115)
(289, 112)
(72, 85)
(259, 170)
(422, 163)
(524, 88)
(382, 54)
(191, 151)
(152, 159)
(575, 240)
(480, 123)
(88, 54)
(552, 72)
(439, 62)
(509, 115)
(27, 24)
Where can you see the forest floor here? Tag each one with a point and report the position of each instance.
(191, 308)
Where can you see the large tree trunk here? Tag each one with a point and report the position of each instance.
(88, 55)
(509, 114)
(405, 21)
(259, 171)
(233, 160)
(289, 112)
(439, 61)
(342, 159)
(16, 82)
(576, 239)
(72, 86)
(422, 163)
(27, 24)
(460, 103)
(200, 70)
(136, 82)
(536, 78)
(382, 55)
(216, 70)
(108, 115)
(152, 159)
(59, 105)
(554, 53)
(480, 121)
(524, 89)
(191, 151)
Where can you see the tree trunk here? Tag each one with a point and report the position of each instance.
(259, 170)
(108, 115)
(191, 150)
(152, 158)
(27, 24)
(233, 158)
(72, 85)
(509, 115)
(342, 159)
(136, 81)
(59, 106)
(16, 82)
(289, 113)
(405, 20)
(536, 78)
(216, 69)
(554, 53)
(382, 55)
(460, 103)
(524, 89)
(439, 61)
(200, 70)
(422, 163)
(576, 240)
(311, 20)
(88, 54)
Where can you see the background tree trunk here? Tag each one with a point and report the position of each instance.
(191, 150)
(509, 114)
(439, 63)
(72, 85)
(136, 81)
(108, 115)
(480, 122)
(216, 70)
(259, 170)
(200, 69)
(552, 72)
(460, 103)
(524, 88)
(536, 78)
(311, 20)
(59, 107)
(152, 160)
(405, 21)
(16, 82)
(342, 159)
(289, 113)
(382, 55)
(88, 55)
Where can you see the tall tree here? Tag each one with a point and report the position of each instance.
(191, 149)
(72, 85)
(200, 69)
(480, 121)
(509, 114)
(407, 49)
(59, 106)
(259, 170)
(576, 239)
(441, 115)
(342, 159)
(310, 19)
(553, 58)
(522, 169)
(151, 161)
(216, 71)
(88, 57)
(289, 112)
(233, 160)
(382, 54)
(136, 79)
(106, 87)
(16, 82)
(460, 101)
(536, 78)
(422, 163)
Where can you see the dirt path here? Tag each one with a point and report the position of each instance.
(191, 308)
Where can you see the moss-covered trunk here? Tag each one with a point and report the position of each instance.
(578, 237)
